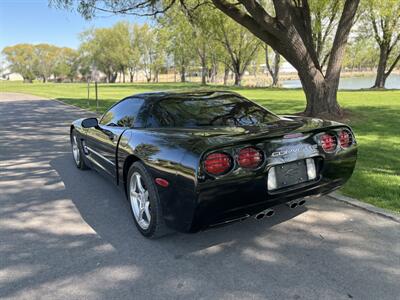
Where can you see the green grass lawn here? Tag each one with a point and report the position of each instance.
(375, 118)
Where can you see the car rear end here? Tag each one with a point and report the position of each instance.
(235, 181)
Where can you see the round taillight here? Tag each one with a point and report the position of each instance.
(345, 139)
(250, 158)
(217, 163)
(328, 142)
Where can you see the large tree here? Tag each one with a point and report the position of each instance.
(179, 32)
(274, 66)
(383, 19)
(21, 59)
(286, 27)
(108, 49)
(241, 46)
(46, 60)
(134, 56)
(66, 65)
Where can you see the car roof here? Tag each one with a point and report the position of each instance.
(179, 94)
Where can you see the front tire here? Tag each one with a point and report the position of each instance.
(77, 152)
(145, 202)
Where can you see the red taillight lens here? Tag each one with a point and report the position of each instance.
(217, 163)
(250, 158)
(345, 139)
(328, 142)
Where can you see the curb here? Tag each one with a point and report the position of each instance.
(73, 106)
(367, 207)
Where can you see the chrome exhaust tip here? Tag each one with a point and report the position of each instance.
(259, 216)
(264, 213)
(269, 212)
(292, 204)
(302, 202)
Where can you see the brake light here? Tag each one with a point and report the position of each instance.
(217, 163)
(250, 158)
(345, 139)
(328, 142)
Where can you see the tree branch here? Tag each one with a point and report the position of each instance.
(260, 15)
(248, 22)
(393, 66)
(341, 36)
(375, 28)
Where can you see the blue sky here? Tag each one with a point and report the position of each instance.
(33, 21)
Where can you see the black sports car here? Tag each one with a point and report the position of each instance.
(188, 161)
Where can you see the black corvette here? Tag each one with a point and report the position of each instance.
(188, 161)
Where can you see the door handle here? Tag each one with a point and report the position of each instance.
(109, 133)
(111, 136)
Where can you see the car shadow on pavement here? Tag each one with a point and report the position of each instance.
(279, 250)
(105, 209)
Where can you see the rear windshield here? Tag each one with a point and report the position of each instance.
(219, 111)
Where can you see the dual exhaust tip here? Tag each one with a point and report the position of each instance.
(271, 212)
(295, 203)
(265, 213)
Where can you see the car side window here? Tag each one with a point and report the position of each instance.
(123, 114)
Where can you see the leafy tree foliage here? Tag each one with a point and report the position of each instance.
(22, 60)
(179, 40)
(108, 49)
(42, 61)
(383, 19)
(285, 25)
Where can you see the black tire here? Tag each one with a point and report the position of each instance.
(80, 162)
(156, 227)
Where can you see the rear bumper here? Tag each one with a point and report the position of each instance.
(191, 206)
(243, 197)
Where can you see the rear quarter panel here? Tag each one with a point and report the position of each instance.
(164, 157)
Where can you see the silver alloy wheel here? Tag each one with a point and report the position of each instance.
(140, 203)
(75, 150)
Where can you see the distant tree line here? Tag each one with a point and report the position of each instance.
(211, 43)
(43, 61)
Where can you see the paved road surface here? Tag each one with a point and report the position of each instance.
(68, 234)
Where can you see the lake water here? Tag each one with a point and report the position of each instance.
(353, 83)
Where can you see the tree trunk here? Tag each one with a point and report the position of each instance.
(380, 79)
(277, 61)
(226, 75)
(44, 79)
(273, 71)
(131, 76)
(156, 76)
(213, 72)
(123, 75)
(183, 74)
(113, 77)
(290, 33)
(238, 79)
(203, 71)
(321, 95)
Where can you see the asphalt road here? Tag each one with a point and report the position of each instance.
(68, 234)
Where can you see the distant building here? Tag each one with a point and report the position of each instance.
(11, 76)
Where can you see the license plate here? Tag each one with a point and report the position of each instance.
(291, 173)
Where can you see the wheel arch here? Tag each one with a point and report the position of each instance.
(132, 158)
(72, 127)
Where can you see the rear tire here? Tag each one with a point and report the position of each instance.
(77, 153)
(145, 202)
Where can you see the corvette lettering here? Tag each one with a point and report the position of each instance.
(293, 150)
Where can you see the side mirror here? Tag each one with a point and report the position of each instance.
(90, 122)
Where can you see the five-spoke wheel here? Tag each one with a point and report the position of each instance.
(145, 202)
(140, 203)
(77, 152)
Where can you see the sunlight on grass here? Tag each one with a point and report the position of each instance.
(375, 118)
